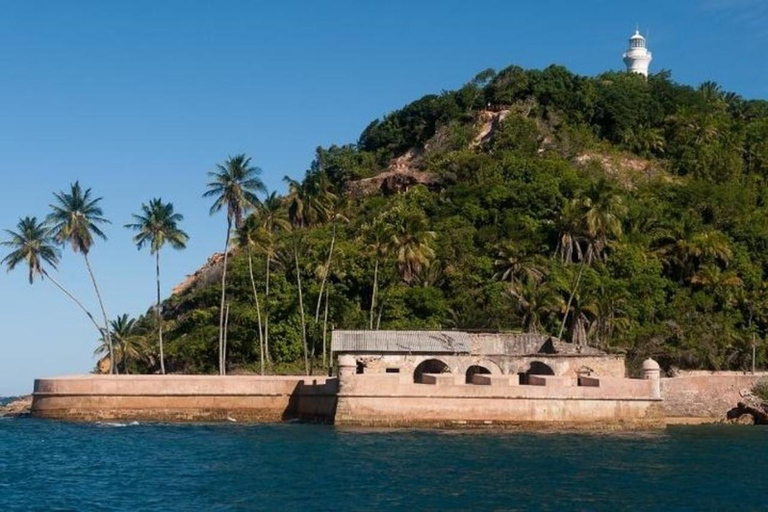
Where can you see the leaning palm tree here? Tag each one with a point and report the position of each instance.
(75, 219)
(234, 185)
(156, 225)
(32, 244)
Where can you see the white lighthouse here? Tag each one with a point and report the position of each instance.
(637, 58)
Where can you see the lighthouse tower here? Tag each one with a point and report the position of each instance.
(637, 58)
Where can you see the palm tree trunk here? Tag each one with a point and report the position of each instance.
(301, 310)
(325, 327)
(258, 310)
(222, 357)
(158, 314)
(224, 345)
(325, 274)
(570, 300)
(373, 293)
(112, 365)
(76, 301)
(266, 312)
(378, 320)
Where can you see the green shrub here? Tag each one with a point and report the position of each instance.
(761, 389)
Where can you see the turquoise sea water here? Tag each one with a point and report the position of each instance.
(46, 465)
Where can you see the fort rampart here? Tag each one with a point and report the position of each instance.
(440, 400)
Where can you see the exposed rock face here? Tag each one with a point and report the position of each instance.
(489, 121)
(401, 175)
(209, 273)
(18, 407)
(627, 169)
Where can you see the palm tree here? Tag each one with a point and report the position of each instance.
(297, 243)
(234, 185)
(513, 267)
(252, 236)
(158, 224)
(534, 303)
(569, 226)
(378, 236)
(75, 218)
(272, 217)
(128, 345)
(32, 244)
(410, 242)
(307, 204)
(601, 211)
(308, 201)
(336, 214)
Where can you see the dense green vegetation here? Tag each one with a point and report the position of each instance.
(614, 211)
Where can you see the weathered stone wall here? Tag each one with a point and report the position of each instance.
(392, 400)
(184, 398)
(705, 394)
(563, 365)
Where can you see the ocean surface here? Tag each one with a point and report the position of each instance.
(46, 465)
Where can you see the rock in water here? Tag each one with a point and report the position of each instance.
(744, 419)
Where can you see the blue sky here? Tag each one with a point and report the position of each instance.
(139, 99)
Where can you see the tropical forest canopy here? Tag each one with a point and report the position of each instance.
(613, 211)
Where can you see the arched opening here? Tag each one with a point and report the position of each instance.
(476, 370)
(429, 366)
(536, 368)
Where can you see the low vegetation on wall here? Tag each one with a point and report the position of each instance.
(613, 211)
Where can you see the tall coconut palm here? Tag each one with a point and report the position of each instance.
(297, 245)
(378, 238)
(273, 218)
(156, 225)
(234, 185)
(307, 204)
(75, 219)
(32, 244)
(253, 237)
(308, 201)
(336, 214)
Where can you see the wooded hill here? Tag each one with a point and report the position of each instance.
(636, 207)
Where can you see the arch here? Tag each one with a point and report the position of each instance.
(429, 366)
(536, 368)
(476, 369)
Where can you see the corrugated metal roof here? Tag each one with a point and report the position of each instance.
(401, 341)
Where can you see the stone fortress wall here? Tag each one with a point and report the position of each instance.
(703, 394)
(372, 399)
(414, 378)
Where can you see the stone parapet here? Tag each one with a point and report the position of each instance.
(183, 397)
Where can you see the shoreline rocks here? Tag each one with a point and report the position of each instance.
(17, 407)
(750, 410)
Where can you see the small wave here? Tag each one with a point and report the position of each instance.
(116, 424)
